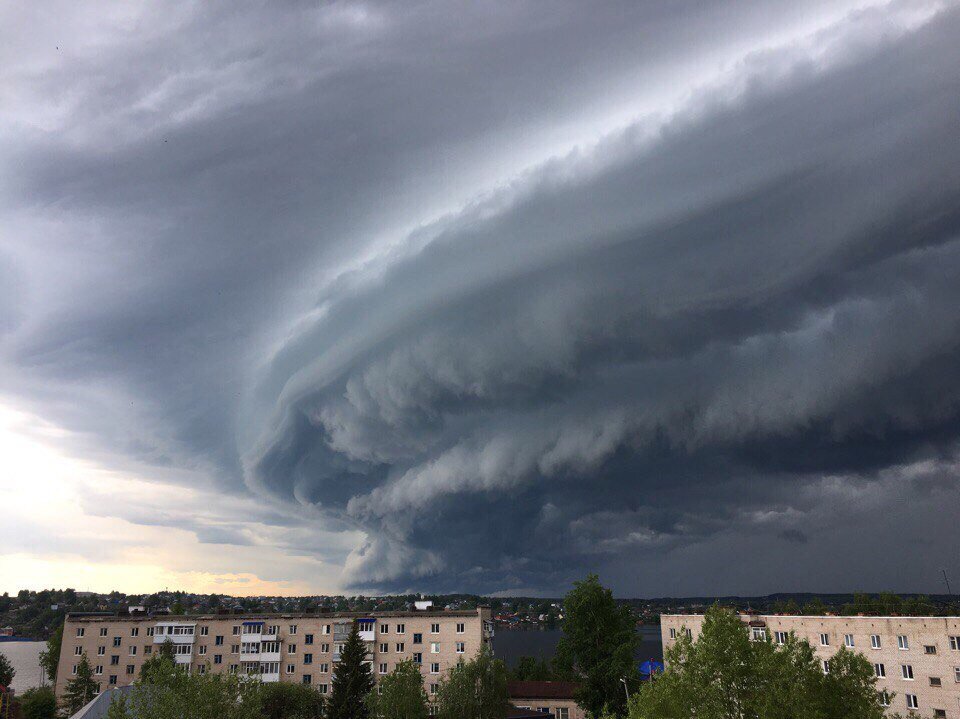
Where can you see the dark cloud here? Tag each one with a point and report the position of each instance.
(485, 287)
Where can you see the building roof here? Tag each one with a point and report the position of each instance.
(98, 707)
(518, 713)
(541, 690)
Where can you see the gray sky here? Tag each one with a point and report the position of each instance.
(480, 296)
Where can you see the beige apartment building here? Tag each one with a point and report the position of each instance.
(916, 659)
(275, 647)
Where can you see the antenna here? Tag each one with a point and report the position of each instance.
(947, 581)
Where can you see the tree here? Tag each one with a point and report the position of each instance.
(531, 669)
(81, 689)
(7, 671)
(474, 690)
(726, 675)
(400, 694)
(50, 657)
(599, 641)
(814, 608)
(38, 703)
(352, 681)
(282, 700)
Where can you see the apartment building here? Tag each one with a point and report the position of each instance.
(275, 647)
(916, 659)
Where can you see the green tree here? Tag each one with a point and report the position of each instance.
(38, 703)
(282, 700)
(814, 608)
(50, 656)
(474, 690)
(400, 694)
(599, 641)
(7, 671)
(352, 681)
(531, 669)
(81, 689)
(726, 675)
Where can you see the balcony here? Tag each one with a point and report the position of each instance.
(271, 677)
(368, 636)
(269, 656)
(182, 658)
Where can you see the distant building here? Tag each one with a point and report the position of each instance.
(274, 647)
(917, 659)
(6, 631)
(554, 698)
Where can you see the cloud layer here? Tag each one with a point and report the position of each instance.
(644, 289)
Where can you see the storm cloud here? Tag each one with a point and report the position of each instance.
(664, 290)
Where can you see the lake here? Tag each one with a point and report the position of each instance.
(511, 644)
(25, 657)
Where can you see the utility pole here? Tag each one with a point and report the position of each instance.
(946, 581)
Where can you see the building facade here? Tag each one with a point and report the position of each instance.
(553, 698)
(916, 659)
(275, 647)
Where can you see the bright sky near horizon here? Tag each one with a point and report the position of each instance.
(455, 296)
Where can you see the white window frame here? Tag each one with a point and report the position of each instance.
(903, 643)
(906, 672)
(824, 639)
(879, 670)
(434, 647)
(912, 702)
(875, 641)
(848, 640)
(780, 637)
(460, 647)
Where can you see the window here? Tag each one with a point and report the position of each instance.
(204, 631)
(383, 667)
(956, 674)
(74, 668)
(562, 713)
(80, 631)
(147, 650)
(325, 648)
(434, 628)
(875, 641)
(101, 651)
(759, 634)
(384, 648)
(902, 642)
(98, 670)
(77, 650)
(273, 629)
(307, 679)
(824, 640)
(308, 639)
(326, 628)
(906, 670)
(848, 640)
(234, 648)
(324, 668)
(291, 668)
(937, 713)
(417, 638)
(879, 670)
(435, 668)
(150, 631)
(113, 679)
(418, 658)
(218, 640)
(460, 628)
(291, 649)
(308, 659)
(955, 644)
(884, 699)
(115, 660)
(218, 659)
(935, 682)
(233, 668)
(401, 628)
(133, 650)
(201, 669)
(365, 625)
(431, 710)
(293, 629)
(459, 647)
(183, 649)
(324, 688)
(135, 632)
(131, 668)
(673, 632)
(780, 637)
(103, 632)
(384, 628)
(826, 666)
(929, 648)
(236, 629)
(399, 647)
(912, 702)
(689, 633)
(116, 641)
